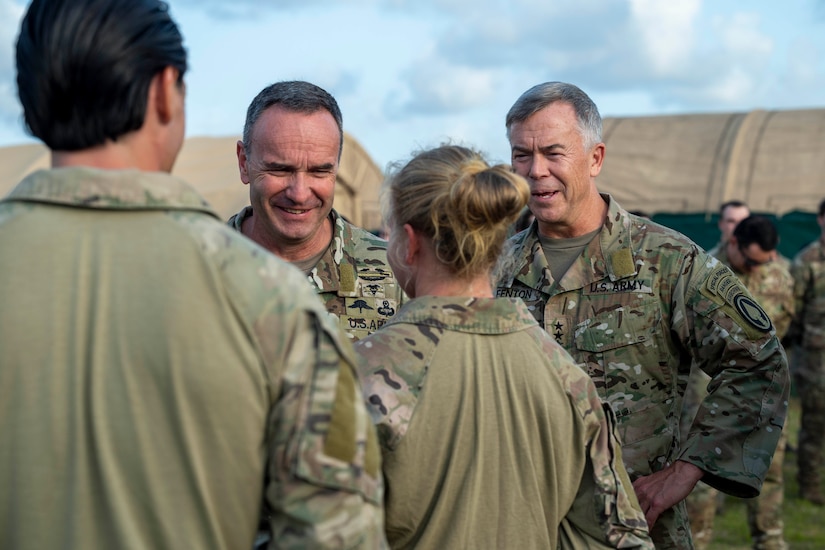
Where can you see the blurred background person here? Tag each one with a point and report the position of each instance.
(492, 436)
(809, 375)
(751, 252)
(730, 214)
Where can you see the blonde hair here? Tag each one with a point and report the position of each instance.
(460, 202)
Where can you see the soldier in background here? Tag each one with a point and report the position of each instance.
(635, 303)
(809, 331)
(751, 252)
(292, 143)
(161, 375)
(730, 214)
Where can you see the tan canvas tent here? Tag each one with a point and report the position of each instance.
(773, 160)
(210, 165)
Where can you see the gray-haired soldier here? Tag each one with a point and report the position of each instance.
(634, 303)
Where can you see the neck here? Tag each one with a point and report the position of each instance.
(127, 153)
(439, 281)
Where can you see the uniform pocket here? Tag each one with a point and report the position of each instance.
(626, 356)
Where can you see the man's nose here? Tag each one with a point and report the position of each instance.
(298, 189)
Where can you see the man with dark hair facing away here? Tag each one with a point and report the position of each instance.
(161, 376)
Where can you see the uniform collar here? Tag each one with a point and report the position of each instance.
(87, 187)
(593, 265)
(466, 314)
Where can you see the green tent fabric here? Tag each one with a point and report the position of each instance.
(680, 168)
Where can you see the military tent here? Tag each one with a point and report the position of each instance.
(681, 168)
(211, 166)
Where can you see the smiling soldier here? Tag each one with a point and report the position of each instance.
(292, 143)
(634, 303)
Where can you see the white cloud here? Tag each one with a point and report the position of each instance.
(437, 87)
(666, 30)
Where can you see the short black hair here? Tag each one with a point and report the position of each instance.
(733, 203)
(84, 67)
(822, 208)
(296, 96)
(757, 229)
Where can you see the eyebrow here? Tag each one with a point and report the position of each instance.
(543, 149)
(281, 167)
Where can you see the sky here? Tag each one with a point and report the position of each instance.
(412, 74)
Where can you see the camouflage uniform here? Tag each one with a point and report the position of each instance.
(353, 277)
(641, 303)
(809, 290)
(772, 285)
(492, 436)
(162, 376)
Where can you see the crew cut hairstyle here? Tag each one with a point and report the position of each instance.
(541, 95)
(731, 204)
(296, 96)
(84, 67)
(757, 229)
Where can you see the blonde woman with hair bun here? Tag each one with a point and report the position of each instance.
(491, 436)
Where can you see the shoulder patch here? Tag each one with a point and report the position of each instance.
(752, 312)
(725, 289)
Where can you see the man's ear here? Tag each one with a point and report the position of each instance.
(240, 151)
(168, 94)
(413, 245)
(596, 159)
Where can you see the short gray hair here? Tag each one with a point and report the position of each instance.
(295, 96)
(541, 95)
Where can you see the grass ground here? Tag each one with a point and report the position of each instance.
(804, 522)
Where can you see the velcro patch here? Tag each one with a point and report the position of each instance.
(341, 437)
(347, 274)
(622, 263)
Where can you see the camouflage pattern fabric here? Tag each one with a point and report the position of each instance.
(809, 330)
(772, 285)
(184, 373)
(353, 277)
(640, 304)
(492, 436)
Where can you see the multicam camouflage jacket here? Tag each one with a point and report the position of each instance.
(476, 404)
(772, 286)
(638, 306)
(353, 277)
(808, 271)
(172, 361)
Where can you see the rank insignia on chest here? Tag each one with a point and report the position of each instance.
(558, 329)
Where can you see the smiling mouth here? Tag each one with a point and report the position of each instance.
(545, 194)
(294, 211)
